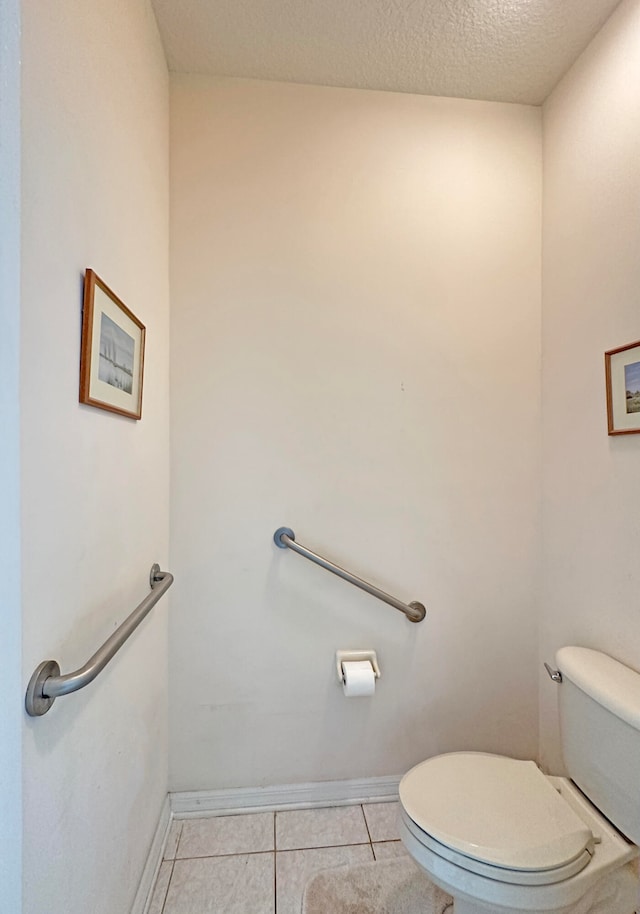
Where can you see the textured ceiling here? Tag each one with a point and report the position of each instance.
(502, 50)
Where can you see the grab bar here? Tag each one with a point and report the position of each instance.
(47, 684)
(285, 538)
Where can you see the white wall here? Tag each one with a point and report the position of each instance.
(10, 615)
(94, 485)
(355, 353)
(591, 291)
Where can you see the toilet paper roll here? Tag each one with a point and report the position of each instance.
(358, 678)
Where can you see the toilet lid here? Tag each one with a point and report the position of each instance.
(498, 810)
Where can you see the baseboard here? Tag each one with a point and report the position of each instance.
(154, 859)
(193, 803)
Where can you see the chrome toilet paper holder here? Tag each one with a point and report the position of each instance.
(349, 656)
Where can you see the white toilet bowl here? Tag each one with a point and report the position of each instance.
(502, 838)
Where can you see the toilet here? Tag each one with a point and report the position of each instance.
(501, 837)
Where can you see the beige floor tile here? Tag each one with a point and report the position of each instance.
(299, 828)
(160, 889)
(385, 849)
(295, 868)
(382, 820)
(240, 884)
(172, 839)
(244, 834)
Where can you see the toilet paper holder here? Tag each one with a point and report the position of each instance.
(348, 656)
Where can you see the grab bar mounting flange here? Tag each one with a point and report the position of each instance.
(36, 702)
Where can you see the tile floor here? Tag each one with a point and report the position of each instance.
(259, 863)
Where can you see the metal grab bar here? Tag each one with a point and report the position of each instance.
(285, 538)
(47, 684)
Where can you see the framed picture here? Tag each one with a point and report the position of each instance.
(622, 367)
(112, 352)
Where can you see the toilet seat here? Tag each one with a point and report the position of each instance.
(508, 822)
(495, 873)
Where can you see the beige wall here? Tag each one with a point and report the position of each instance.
(94, 485)
(591, 231)
(355, 353)
(11, 685)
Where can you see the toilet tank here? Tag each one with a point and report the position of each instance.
(599, 701)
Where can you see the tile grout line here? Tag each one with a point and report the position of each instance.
(166, 892)
(366, 825)
(318, 847)
(275, 868)
(178, 840)
(282, 850)
(268, 850)
(173, 864)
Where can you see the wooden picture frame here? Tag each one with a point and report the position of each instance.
(112, 351)
(622, 373)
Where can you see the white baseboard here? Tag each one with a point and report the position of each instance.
(154, 859)
(193, 803)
